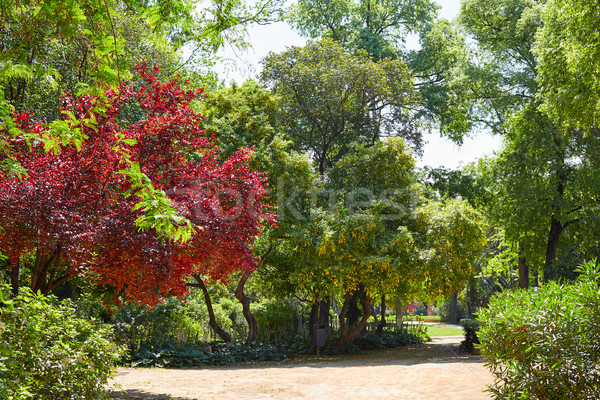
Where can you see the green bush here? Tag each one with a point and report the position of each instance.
(470, 328)
(421, 309)
(47, 352)
(544, 343)
(279, 319)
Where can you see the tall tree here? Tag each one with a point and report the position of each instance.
(330, 98)
(246, 116)
(545, 167)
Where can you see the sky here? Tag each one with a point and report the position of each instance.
(438, 152)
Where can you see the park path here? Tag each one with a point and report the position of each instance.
(434, 370)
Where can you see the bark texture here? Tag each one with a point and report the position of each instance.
(212, 322)
(250, 320)
(346, 336)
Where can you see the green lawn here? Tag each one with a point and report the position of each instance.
(434, 330)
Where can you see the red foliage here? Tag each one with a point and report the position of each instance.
(75, 204)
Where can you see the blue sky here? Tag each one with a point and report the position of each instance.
(276, 37)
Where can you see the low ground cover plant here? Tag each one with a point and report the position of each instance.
(544, 343)
(170, 354)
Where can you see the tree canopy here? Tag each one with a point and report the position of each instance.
(78, 214)
(330, 98)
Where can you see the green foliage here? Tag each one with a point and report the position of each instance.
(177, 322)
(567, 51)
(241, 116)
(470, 328)
(421, 309)
(46, 351)
(173, 355)
(330, 98)
(544, 343)
(377, 26)
(446, 79)
(442, 183)
(453, 241)
(279, 319)
(443, 307)
(176, 355)
(370, 341)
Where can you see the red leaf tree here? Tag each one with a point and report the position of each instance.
(75, 213)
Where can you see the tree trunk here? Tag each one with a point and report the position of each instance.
(453, 318)
(211, 314)
(472, 299)
(346, 336)
(556, 228)
(353, 312)
(48, 264)
(313, 317)
(319, 314)
(365, 305)
(324, 308)
(398, 307)
(523, 269)
(241, 296)
(383, 321)
(14, 280)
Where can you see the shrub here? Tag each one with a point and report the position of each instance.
(278, 319)
(50, 353)
(470, 328)
(544, 343)
(421, 309)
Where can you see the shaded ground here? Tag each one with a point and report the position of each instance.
(434, 370)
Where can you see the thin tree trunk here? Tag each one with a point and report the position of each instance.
(398, 307)
(365, 306)
(313, 317)
(319, 314)
(346, 336)
(14, 279)
(453, 318)
(250, 320)
(523, 269)
(211, 314)
(383, 321)
(353, 310)
(472, 299)
(556, 228)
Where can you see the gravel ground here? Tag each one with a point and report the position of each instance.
(435, 370)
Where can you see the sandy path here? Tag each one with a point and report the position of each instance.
(430, 371)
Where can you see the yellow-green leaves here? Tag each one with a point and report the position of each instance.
(453, 240)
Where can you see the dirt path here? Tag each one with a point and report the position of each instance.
(431, 371)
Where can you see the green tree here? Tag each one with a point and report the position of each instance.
(567, 53)
(544, 169)
(330, 98)
(246, 116)
(376, 26)
(380, 28)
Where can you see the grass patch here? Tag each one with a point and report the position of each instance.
(434, 330)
